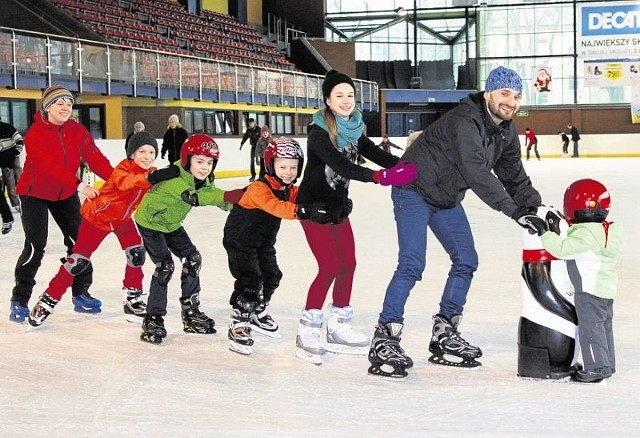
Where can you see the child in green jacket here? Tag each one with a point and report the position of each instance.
(590, 248)
(159, 218)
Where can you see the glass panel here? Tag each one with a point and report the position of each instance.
(31, 56)
(190, 73)
(146, 68)
(94, 62)
(210, 76)
(169, 70)
(64, 60)
(121, 65)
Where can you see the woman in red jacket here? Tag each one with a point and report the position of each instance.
(109, 212)
(49, 184)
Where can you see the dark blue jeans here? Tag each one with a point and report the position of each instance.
(451, 227)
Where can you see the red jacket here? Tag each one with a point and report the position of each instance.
(53, 159)
(119, 196)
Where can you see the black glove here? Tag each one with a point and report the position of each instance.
(171, 171)
(348, 208)
(527, 219)
(15, 152)
(316, 212)
(190, 198)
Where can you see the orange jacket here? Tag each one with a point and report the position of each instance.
(119, 196)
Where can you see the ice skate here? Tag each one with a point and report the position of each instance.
(386, 356)
(446, 340)
(239, 333)
(85, 303)
(342, 338)
(193, 320)
(134, 308)
(308, 343)
(153, 330)
(18, 312)
(42, 309)
(263, 323)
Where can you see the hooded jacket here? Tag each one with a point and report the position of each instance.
(464, 149)
(119, 196)
(53, 159)
(162, 208)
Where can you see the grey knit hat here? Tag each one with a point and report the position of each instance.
(139, 139)
(502, 77)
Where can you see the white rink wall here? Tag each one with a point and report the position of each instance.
(234, 162)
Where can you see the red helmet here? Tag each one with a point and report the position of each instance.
(586, 200)
(199, 144)
(282, 147)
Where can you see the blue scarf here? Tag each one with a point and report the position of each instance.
(349, 130)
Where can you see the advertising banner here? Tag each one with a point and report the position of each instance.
(609, 31)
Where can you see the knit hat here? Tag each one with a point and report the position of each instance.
(334, 78)
(138, 140)
(502, 77)
(53, 93)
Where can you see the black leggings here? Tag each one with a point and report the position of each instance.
(35, 222)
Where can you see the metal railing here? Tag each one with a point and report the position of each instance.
(30, 60)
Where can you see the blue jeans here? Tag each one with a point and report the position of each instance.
(451, 227)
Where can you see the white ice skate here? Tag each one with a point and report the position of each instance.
(308, 342)
(342, 338)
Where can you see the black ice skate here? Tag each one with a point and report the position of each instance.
(446, 340)
(386, 356)
(263, 323)
(42, 309)
(239, 332)
(193, 320)
(153, 330)
(134, 308)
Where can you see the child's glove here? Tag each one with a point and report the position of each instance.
(527, 219)
(401, 174)
(233, 196)
(316, 212)
(169, 172)
(190, 198)
(348, 207)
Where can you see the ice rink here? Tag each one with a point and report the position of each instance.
(90, 375)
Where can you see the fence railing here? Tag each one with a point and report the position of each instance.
(31, 60)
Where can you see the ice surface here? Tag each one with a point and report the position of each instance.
(89, 375)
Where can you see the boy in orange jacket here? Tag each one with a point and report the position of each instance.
(110, 212)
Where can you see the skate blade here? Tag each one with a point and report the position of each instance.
(346, 349)
(134, 318)
(459, 362)
(267, 333)
(32, 328)
(387, 372)
(239, 348)
(79, 309)
(311, 358)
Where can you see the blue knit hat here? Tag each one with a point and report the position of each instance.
(502, 77)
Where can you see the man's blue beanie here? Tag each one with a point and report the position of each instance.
(502, 77)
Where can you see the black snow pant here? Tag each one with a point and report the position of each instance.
(160, 246)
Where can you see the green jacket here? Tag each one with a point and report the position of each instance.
(162, 208)
(591, 255)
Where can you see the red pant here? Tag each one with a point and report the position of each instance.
(334, 249)
(89, 238)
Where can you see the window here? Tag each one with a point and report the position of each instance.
(208, 122)
(15, 113)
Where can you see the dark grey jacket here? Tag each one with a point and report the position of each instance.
(464, 149)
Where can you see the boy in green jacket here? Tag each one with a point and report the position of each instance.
(590, 248)
(159, 218)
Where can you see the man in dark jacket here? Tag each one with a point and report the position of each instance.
(575, 138)
(252, 134)
(474, 146)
